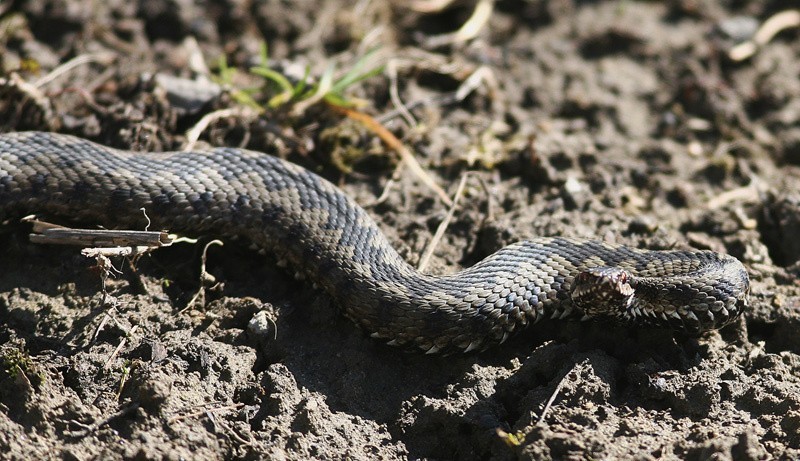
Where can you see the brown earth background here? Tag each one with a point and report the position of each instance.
(625, 121)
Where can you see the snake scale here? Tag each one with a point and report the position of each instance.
(303, 218)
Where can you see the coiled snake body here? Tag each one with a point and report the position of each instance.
(305, 219)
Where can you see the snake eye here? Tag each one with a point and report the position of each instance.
(603, 291)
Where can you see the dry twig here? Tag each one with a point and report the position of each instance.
(391, 70)
(469, 30)
(102, 58)
(749, 193)
(554, 395)
(193, 134)
(395, 144)
(119, 347)
(119, 242)
(765, 33)
(429, 6)
(32, 92)
(425, 259)
(205, 277)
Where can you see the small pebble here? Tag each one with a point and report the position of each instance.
(261, 326)
(738, 28)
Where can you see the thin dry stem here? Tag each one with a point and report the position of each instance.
(193, 134)
(554, 395)
(469, 30)
(391, 69)
(102, 58)
(204, 275)
(426, 257)
(749, 193)
(391, 140)
(119, 347)
(771, 27)
(100, 241)
(429, 6)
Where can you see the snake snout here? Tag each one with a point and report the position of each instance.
(603, 291)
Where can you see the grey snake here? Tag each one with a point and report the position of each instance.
(303, 218)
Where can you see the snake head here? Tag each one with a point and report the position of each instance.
(602, 291)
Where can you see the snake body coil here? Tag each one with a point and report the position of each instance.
(305, 219)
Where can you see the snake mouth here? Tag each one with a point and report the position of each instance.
(603, 291)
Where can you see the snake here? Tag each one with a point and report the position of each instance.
(305, 220)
